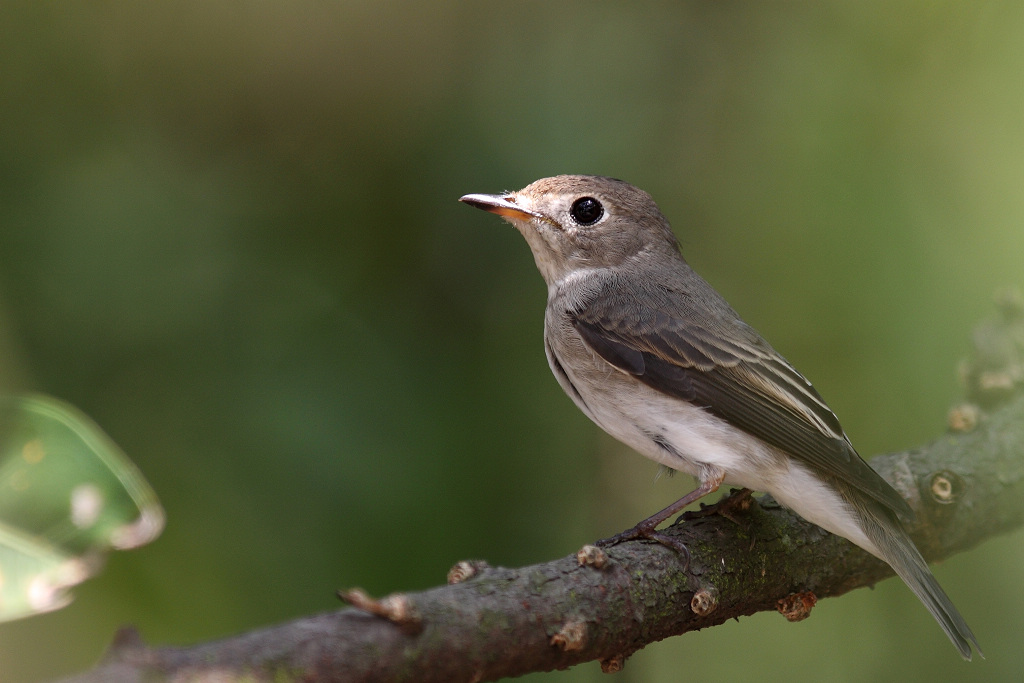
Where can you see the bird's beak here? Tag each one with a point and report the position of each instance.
(503, 205)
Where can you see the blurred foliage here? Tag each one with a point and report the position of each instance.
(229, 233)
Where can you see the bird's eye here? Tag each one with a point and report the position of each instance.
(586, 211)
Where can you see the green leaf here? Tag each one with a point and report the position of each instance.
(68, 494)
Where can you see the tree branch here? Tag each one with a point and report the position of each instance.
(747, 556)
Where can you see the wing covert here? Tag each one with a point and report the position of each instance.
(737, 376)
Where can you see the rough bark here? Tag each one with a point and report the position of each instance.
(747, 556)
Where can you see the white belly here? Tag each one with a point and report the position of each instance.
(688, 438)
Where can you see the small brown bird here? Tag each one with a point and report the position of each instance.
(657, 358)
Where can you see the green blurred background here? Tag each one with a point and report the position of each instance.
(229, 233)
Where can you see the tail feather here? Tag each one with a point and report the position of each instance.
(895, 547)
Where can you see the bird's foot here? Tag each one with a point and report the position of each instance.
(731, 507)
(649, 532)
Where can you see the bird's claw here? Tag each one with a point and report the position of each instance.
(738, 500)
(650, 533)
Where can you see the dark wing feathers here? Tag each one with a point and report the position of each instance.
(722, 364)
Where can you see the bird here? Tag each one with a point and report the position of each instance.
(657, 358)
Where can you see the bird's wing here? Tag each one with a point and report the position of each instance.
(715, 360)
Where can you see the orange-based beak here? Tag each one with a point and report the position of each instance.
(499, 204)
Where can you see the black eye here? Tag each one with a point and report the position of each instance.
(586, 211)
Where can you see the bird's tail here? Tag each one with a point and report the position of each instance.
(895, 547)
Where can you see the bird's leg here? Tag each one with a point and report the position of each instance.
(648, 527)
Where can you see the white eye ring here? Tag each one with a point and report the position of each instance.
(586, 211)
